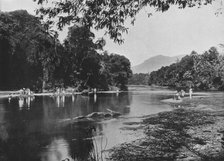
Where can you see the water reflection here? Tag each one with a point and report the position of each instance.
(60, 100)
(57, 150)
(73, 98)
(95, 97)
(21, 103)
(48, 130)
(9, 99)
(3, 132)
(80, 135)
(24, 102)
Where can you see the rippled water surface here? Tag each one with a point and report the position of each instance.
(44, 129)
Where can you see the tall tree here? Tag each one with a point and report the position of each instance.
(83, 61)
(28, 51)
(120, 68)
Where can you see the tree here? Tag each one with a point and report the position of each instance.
(28, 53)
(208, 69)
(139, 79)
(82, 60)
(86, 68)
(106, 14)
(31, 56)
(202, 72)
(120, 68)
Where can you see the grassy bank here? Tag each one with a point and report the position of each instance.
(192, 131)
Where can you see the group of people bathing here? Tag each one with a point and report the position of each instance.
(60, 91)
(25, 91)
(180, 94)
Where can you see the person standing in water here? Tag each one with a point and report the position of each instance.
(190, 93)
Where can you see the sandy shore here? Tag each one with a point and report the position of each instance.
(195, 96)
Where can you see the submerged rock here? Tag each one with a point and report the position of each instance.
(95, 115)
(103, 114)
(80, 117)
(116, 114)
(107, 115)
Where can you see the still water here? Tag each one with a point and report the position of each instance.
(44, 129)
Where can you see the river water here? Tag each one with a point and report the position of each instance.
(44, 129)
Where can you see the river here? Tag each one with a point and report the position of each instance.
(43, 128)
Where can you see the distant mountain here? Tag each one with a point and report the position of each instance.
(154, 63)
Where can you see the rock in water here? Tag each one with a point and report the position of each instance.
(95, 115)
(116, 114)
(80, 117)
(107, 115)
(113, 113)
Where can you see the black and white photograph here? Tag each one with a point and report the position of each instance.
(111, 80)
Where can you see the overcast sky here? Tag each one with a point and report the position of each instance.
(175, 32)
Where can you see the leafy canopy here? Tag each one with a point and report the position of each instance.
(201, 71)
(106, 14)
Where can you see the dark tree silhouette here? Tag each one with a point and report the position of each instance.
(199, 71)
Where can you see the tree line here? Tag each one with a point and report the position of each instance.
(31, 56)
(139, 79)
(200, 71)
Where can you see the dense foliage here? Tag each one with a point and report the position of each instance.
(109, 15)
(28, 52)
(31, 56)
(205, 71)
(139, 79)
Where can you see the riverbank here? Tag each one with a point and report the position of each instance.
(194, 131)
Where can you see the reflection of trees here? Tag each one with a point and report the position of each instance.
(22, 143)
(26, 136)
(28, 131)
(3, 131)
(25, 102)
(80, 135)
(112, 101)
(83, 105)
(57, 150)
(21, 146)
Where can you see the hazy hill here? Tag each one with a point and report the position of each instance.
(154, 63)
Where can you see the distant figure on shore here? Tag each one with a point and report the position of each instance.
(21, 91)
(63, 91)
(58, 90)
(10, 97)
(177, 95)
(182, 93)
(25, 92)
(28, 92)
(190, 92)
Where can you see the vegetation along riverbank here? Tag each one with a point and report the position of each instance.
(33, 57)
(193, 130)
(199, 71)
